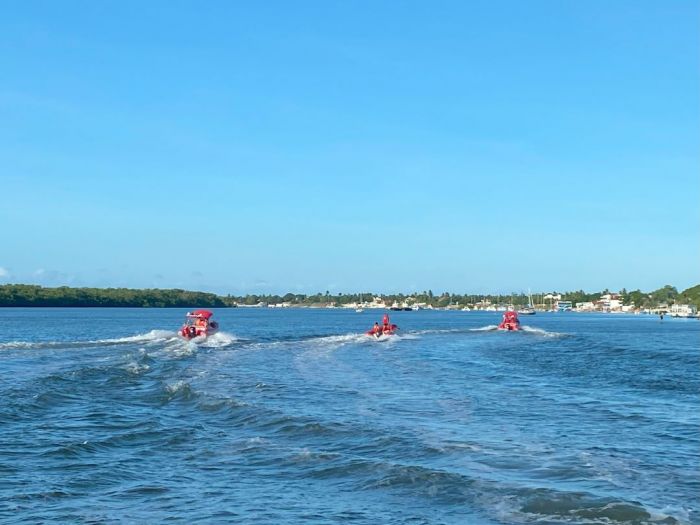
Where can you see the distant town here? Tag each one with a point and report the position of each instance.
(665, 300)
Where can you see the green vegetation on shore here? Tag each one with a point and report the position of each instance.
(33, 295)
(691, 296)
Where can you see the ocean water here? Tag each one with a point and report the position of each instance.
(294, 416)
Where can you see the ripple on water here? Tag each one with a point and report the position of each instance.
(576, 420)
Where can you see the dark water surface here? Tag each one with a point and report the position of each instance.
(293, 416)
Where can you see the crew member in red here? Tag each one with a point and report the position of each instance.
(387, 327)
(510, 321)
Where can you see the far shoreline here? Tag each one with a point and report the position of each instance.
(664, 300)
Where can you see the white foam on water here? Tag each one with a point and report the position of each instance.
(488, 328)
(178, 386)
(540, 331)
(181, 348)
(437, 331)
(217, 340)
(152, 336)
(347, 338)
(336, 341)
(380, 339)
(319, 347)
(135, 368)
(523, 328)
(11, 345)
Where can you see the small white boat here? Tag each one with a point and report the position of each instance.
(359, 308)
(529, 309)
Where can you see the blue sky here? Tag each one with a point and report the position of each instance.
(389, 146)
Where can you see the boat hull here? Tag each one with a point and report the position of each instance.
(187, 332)
(381, 337)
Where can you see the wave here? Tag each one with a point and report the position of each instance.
(510, 504)
(335, 341)
(135, 368)
(437, 331)
(331, 342)
(180, 387)
(545, 504)
(523, 328)
(488, 328)
(217, 340)
(148, 337)
(153, 335)
(540, 331)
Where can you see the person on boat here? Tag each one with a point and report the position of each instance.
(510, 320)
(387, 327)
(376, 329)
(386, 324)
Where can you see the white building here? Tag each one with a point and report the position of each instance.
(609, 302)
(683, 310)
(585, 306)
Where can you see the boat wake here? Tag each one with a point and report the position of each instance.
(217, 340)
(436, 331)
(169, 337)
(540, 331)
(153, 336)
(338, 340)
(224, 339)
(523, 328)
(488, 328)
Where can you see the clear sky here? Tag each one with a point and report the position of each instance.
(268, 147)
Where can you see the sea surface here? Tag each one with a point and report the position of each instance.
(294, 416)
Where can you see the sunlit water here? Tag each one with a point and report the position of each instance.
(294, 416)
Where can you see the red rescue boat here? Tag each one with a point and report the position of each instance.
(510, 321)
(386, 328)
(198, 324)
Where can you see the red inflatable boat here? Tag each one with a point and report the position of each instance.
(386, 328)
(510, 321)
(198, 324)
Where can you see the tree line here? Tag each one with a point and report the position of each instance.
(34, 295)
